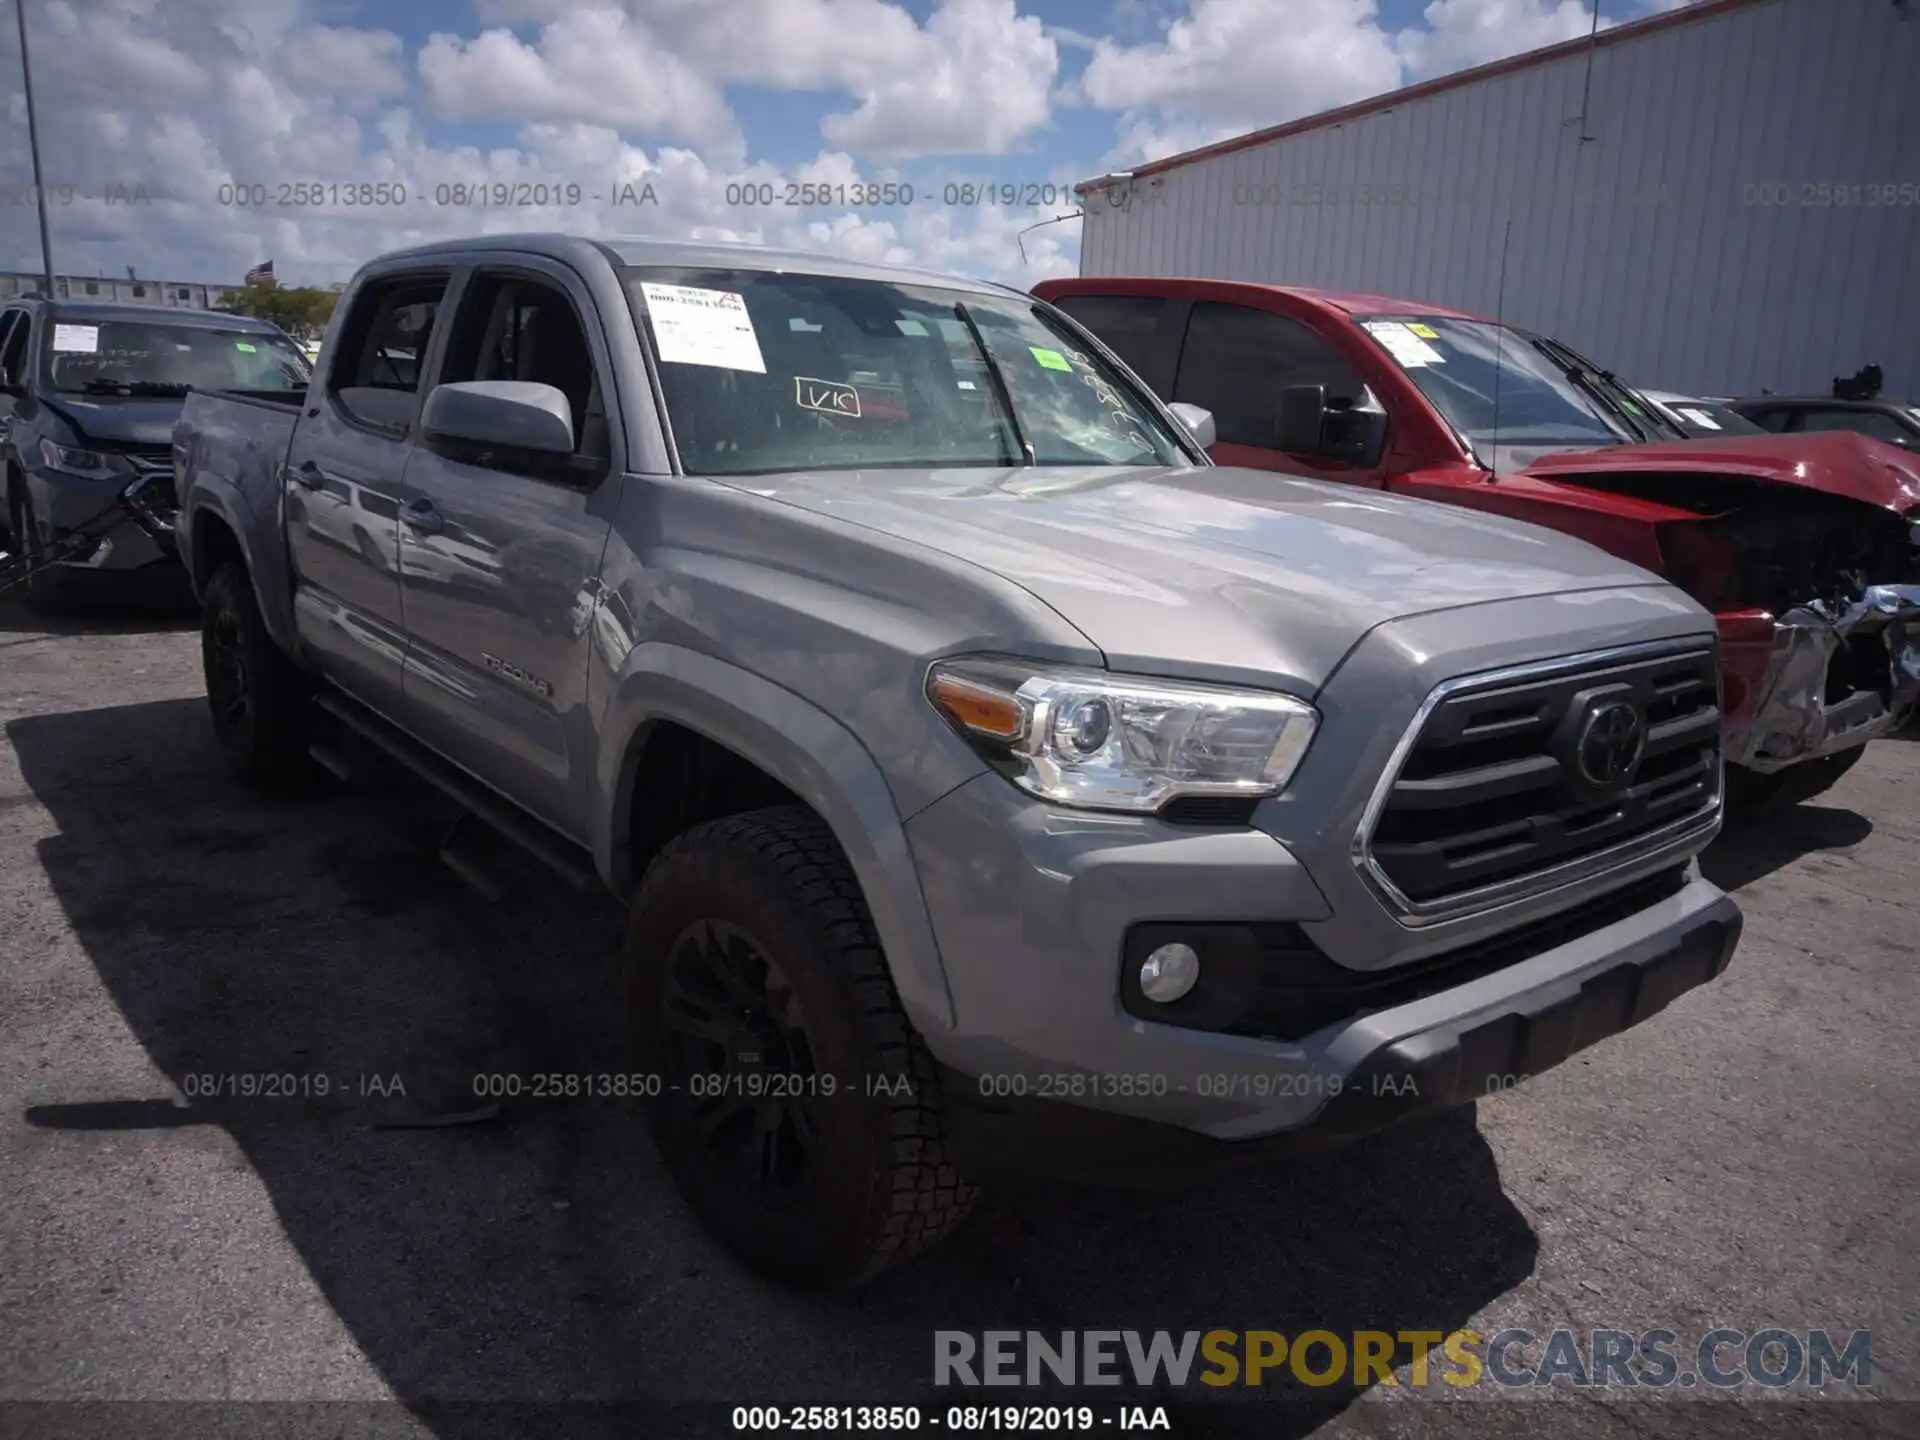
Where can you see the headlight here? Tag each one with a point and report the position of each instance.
(1123, 742)
(88, 464)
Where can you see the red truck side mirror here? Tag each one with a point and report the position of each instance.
(1305, 424)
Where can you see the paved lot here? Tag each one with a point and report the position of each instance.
(1750, 1157)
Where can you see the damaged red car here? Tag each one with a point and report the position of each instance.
(1805, 547)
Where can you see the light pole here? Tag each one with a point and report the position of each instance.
(33, 144)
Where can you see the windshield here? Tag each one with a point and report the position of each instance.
(1533, 404)
(152, 357)
(766, 372)
(1703, 417)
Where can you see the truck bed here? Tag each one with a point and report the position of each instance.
(235, 443)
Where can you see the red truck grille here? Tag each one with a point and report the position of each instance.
(1511, 783)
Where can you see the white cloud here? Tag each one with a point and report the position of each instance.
(1249, 63)
(978, 85)
(975, 79)
(595, 66)
(1463, 33)
(1224, 67)
(184, 97)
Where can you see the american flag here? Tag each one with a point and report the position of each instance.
(261, 274)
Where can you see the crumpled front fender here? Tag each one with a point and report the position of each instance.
(1792, 718)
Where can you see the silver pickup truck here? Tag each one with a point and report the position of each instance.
(994, 782)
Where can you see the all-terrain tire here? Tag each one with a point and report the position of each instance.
(262, 702)
(878, 1189)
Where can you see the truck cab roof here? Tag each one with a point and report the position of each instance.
(1198, 288)
(99, 312)
(691, 254)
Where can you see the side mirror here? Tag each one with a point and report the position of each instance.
(1356, 435)
(1199, 423)
(506, 424)
(1300, 418)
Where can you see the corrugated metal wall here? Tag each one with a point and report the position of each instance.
(1648, 246)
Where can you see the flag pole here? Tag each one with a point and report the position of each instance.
(33, 145)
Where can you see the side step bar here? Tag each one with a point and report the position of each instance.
(554, 851)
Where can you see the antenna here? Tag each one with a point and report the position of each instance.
(1021, 238)
(1586, 93)
(1499, 339)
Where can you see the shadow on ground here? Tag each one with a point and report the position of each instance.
(543, 1257)
(97, 615)
(1751, 848)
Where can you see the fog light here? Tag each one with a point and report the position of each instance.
(1169, 972)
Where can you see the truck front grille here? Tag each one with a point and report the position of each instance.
(1509, 783)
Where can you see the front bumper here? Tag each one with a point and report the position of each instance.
(66, 504)
(1031, 907)
(1821, 680)
(1451, 1050)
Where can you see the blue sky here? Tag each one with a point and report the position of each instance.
(191, 98)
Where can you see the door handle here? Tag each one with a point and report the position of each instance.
(420, 515)
(308, 476)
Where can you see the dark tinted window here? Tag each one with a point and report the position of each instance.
(1236, 361)
(512, 328)
(1775, 419)
(13, 355)
(1125, 324)
(1876, 423)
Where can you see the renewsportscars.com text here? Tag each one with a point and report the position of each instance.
(1770, 1358)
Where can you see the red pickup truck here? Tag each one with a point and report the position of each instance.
(1806, 547)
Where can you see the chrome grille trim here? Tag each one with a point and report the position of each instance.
(1631, 858)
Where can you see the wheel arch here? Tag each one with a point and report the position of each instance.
(800, 748)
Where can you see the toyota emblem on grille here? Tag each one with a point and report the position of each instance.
(1610, 744)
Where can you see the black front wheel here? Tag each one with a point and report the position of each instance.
(797, 1109)
(43, 590)
(261, 701)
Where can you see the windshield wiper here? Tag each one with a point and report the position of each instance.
(101, 385)
(1603, 387)
(995, 375)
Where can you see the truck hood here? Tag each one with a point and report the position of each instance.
(1838, 462)
(111, 421)
(1212, 570)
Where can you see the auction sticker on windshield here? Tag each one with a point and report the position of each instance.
(703, 327)
(1050, 359)
(1401, 343)
(76, 339)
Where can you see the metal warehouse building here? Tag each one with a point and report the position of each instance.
(1721, 199)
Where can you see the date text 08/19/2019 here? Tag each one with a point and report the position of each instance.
(1234, 1085)
(456, 195)
(963, 1419)
(965, 195)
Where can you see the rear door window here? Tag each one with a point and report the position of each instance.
(375, 376)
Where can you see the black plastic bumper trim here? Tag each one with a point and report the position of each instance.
(1420, 1074)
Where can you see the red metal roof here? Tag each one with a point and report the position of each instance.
(1393, 99)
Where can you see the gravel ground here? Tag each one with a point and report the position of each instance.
(1747, 1158)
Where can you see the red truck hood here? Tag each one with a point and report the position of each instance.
(1839, 462)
